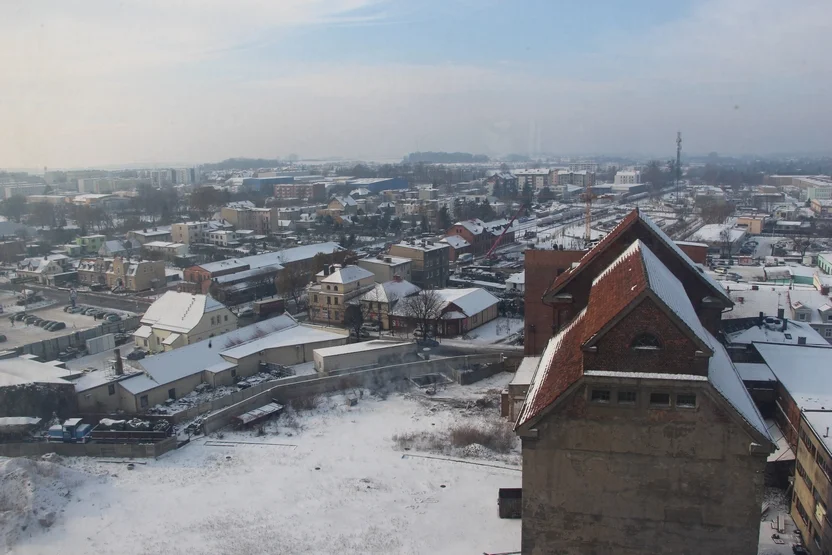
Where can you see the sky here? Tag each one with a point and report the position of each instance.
(105, 82)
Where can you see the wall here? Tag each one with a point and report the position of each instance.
(542, 267)
(391, 354)
(633, 480)
(38, 400)
(88, 449)
(809, 479)
(362, 378)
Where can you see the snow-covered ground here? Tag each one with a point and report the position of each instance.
(778, 504)
(330, 480)
(495, 331)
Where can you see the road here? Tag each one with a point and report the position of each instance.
(61, 296)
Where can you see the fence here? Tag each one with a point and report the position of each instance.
(88, 449)
(48, 349)
(314, 385)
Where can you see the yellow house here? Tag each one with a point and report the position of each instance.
(179, 319)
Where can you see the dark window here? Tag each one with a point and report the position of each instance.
(600, 395)
(686, 400)
(111, 389)
(646, 342)
(627, 397)
(172, 393)
(660, 399)
(233, 373)
(335, 287)
(225, 318)
(801, 511)
(315, 297)
(336, 300)
(143, 401)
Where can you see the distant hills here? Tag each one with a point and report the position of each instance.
(445, 158)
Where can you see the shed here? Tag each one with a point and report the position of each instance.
(257, 415)
(368, 353)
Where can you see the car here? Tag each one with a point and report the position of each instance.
(57, 326)
(19, 316)
(113, 318)
(29, 320)
(137, 354)
(67, 308)
(44, 323)
(372, 327)
(721, 270)
(247, 311)
(2, 338)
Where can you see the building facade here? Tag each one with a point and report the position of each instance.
(302, 191)
(334, 287)
(430, 267)
(386, 267)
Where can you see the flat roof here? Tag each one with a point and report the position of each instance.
(525, 372)
(804, 370)
(373, 345)
(755, 372)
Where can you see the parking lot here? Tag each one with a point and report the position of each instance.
(19, 333)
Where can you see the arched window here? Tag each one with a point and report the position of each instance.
(646, 342)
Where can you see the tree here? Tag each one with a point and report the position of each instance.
(725, 241)
(14, 208)
(655, 176)
(423, 224)
(545, 195)
(425, 307)
(528, 193)
(443, 219)
(204, 199)
(43, 215)
(354, 319)
(291, 282)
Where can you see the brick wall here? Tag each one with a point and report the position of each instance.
(542, 266)
(677, 354)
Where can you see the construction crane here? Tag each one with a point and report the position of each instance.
(588, 196)
(500, 238)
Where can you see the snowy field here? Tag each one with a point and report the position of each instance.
(328, 480)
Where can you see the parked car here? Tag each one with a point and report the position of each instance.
(2, 338)
(44, 323)
(371, 327)
(137, 354)
(721, 270)
(247, 311)
(55, 326)
(113, 318)
(19, 316)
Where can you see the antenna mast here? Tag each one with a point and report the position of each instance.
(587, 212)
(678, 172)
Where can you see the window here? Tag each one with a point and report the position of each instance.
(600, 396)
(802, 316)
(111, 389)
(827, 332)
(646, 342)
(335, 288)
(336, 300)
(172, 393)
(829, 317)
(212, 320)
(143, 401)
(801, 511)
(233, 372)
(328, 288)
(329, 300)
(686, 401)
(315, 297)
(627, 397)
(225, 318)
(660, 399)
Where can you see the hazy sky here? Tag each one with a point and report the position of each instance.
(93, 82)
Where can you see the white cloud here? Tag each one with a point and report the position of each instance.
(103, 83)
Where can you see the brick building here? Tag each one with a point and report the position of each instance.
(430, 267)
(480, 235)
(302, 191)
(638, 434)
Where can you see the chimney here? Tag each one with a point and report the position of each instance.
(119, 368)
(801, 340)
(760, 319)
(781, 313)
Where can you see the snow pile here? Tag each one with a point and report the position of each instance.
(32, 496)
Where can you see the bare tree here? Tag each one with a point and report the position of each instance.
(725, 241)
(291, 282)
(425, 308)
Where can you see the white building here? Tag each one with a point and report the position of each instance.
(584, 165)
(516, 282)
(223, 238)
(537, 178)
(627, 177)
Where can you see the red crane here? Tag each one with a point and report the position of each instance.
(500, 238)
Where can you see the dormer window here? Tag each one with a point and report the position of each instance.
(646, 342)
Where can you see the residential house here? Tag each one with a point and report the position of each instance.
(635, 373)
(481, 235)
(165, 250)
(335, 286)
(142, 236)
(90, 244)
(537, 178)
(189, 233)
(516, 283)
(223, 238)
(457, 246)
(821, 207)
(134, 275)
(386, 267)
(177, 319)
(113, 248)
(261, 220)
(381, 300)
(825, 262)
(807, 306)
(460, 311)
(342, 205)
(430, 268)
(45, 268)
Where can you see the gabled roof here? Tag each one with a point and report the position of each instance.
(390, 291)
(632, 219)
(347, 274)
(635, 271)
(471, 301)
(179, 312)
(455, 241)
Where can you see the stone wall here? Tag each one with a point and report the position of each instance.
(48, 349)
(88, 449)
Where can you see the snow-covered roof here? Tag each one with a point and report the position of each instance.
(347, 274)
(363, 346)
(286, 256)
(755, 372)
(793, 331)
(475, 226)
(179, 312)
(296, 335)
(803, 370)
(110, 247)
(767, 299)
(821, 422)
(143, 332)
(525, 372)
(346, 201)
(712, 233)
(455, 241)
(518, 278)
(22, 371)
(390, 290)
(470, 301)
(171, 339)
